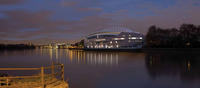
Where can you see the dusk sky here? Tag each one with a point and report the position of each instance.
(45, 21)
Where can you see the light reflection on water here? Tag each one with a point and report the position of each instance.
(82, 57)
(182, 66)
(98, 69)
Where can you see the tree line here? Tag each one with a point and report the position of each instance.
(16, 46)
(186, 36)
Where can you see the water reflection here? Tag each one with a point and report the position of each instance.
(81, 57)
(178, 65)
(114, 69)
(97, 58)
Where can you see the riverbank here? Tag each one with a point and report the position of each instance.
(172, 49)
(16, 47)
(142, 49)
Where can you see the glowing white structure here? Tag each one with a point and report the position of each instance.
(114, 38)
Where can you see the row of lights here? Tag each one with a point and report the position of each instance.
(102, 46)
(135, 38)
(119, 38)
(128, 38)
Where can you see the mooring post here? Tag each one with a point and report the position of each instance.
(62, 72)
(42, 77)
(7, 82)
(53, 69)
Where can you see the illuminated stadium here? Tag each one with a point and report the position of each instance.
(114, 38)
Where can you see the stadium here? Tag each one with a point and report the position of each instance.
(114, 38)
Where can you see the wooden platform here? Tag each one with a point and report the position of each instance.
(54, 78)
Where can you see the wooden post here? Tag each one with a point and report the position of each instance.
(42, 77)
(7, 82)
(53, 70)
(62, 72)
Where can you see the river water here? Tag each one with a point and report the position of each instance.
(100, 69)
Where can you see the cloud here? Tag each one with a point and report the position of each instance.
(20, 19)
(26, 25)
(88, 25)
(184, 11)
(90, 16)
(181, 12)
(10, 2)
(69, 3)
(17, 22)
(90, 9)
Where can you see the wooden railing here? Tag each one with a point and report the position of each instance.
(57, 72)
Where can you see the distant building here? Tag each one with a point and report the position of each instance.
(114, 38)
(54, 45)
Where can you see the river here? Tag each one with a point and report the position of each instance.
(100, 69)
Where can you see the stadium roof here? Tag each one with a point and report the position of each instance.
(115, 29)
(112, 31)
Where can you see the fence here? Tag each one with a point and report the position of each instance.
(42, 79)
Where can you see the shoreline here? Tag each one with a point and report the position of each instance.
(124, 49)
(144, 50)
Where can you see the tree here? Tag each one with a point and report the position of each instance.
(188, 36)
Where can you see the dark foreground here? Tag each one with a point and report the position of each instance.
(102, 69)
